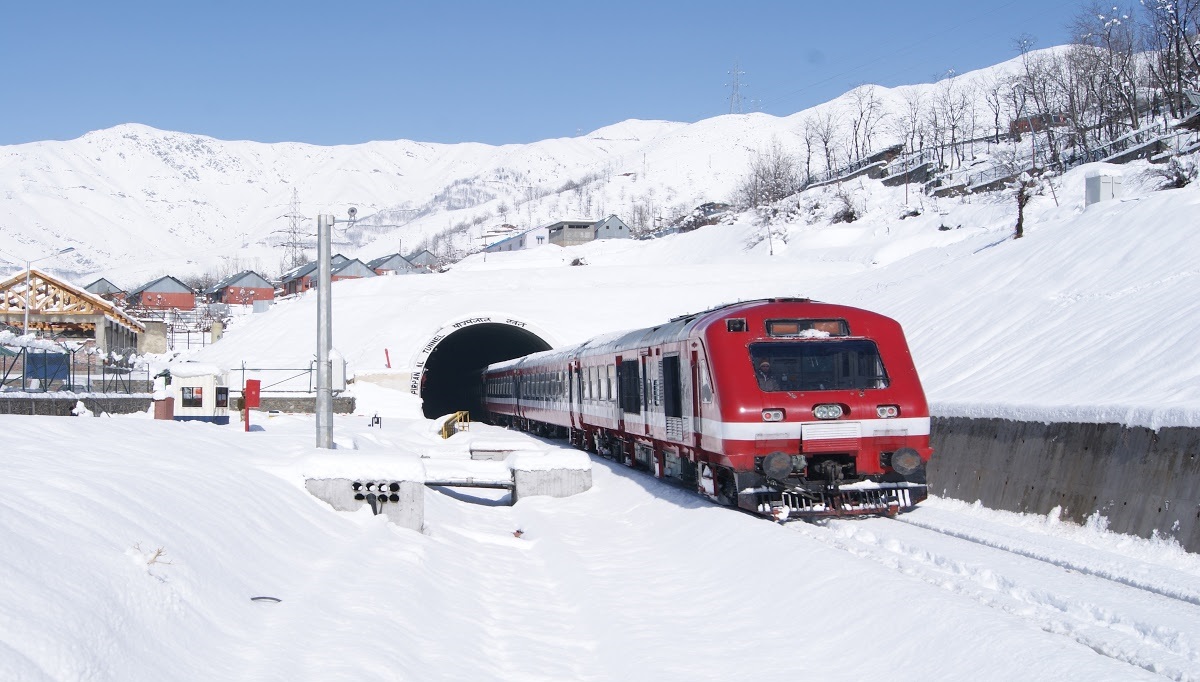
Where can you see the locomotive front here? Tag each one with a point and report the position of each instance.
(822, 411)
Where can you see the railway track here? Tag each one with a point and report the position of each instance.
(1142, 613)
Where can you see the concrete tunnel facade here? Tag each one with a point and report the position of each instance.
(446, 369)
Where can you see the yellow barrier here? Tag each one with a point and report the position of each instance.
(459, 421)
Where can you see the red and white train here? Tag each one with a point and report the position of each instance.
(784, 407)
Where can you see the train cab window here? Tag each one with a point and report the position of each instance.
(818, 365)
(737, 324)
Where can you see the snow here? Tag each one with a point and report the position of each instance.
(633, 579)
(131, 549)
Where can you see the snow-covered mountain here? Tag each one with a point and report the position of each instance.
(136, 202)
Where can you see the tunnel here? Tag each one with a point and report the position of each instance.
(451, 379)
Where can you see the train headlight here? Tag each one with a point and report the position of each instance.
(773, 415)
(888, 411)
(828, 411)
(906, 461)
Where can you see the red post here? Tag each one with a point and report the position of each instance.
(251, 397)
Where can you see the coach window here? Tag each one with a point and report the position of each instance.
(608, 383)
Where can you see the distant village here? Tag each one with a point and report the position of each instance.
(165, 313)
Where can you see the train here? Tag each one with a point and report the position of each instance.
(784, 407)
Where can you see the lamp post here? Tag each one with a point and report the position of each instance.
(28, 281)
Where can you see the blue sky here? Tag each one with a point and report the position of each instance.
(349, 71)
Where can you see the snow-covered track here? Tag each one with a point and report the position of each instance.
(1137, 612)
(1166, 582)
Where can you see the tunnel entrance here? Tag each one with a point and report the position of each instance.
(451, 374)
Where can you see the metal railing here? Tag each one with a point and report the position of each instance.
(37, 370)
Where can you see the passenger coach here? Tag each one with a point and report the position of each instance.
(784, 407)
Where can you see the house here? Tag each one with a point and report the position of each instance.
(423, 259)
(304, 277)
(301, 279)
(65, 310)
(572, 232)
(164, 293)
(528, 239)
(1037, 123)
(351, 269)
(392, 264)
(107, 291)
(611, 227)
(244, 288)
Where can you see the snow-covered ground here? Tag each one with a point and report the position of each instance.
(633, 580)
(1091, 316)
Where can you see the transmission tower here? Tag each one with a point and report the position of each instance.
(294, 234)
(735, 89)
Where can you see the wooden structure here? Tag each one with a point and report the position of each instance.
(63, 309)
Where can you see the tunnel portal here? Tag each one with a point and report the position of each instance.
(451, 375)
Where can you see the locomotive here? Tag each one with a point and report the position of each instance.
(785, 407)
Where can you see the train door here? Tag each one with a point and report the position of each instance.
(646, 389)
(673, 396)
(695, 421)
(619, 398)
(575, 393)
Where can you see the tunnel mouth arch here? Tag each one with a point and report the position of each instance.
(449, 370)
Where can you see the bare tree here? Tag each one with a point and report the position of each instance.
(827, 132)
(1171, 30)
(868, 110)
(1106, 44)
(772, 176)
(995, 90)
(809, 134)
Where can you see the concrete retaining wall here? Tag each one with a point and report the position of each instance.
(305, 405)
(1142, 481)
(62, 407)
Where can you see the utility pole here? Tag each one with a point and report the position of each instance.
(324, 407)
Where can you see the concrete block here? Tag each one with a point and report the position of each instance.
(551, 482)
(559, 473)
(408, 511)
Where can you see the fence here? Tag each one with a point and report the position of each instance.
(39, 370)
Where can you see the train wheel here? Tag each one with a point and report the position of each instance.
(727, 491)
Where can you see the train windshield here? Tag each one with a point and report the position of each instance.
(843, 364)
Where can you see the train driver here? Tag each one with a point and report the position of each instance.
(766, 380)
